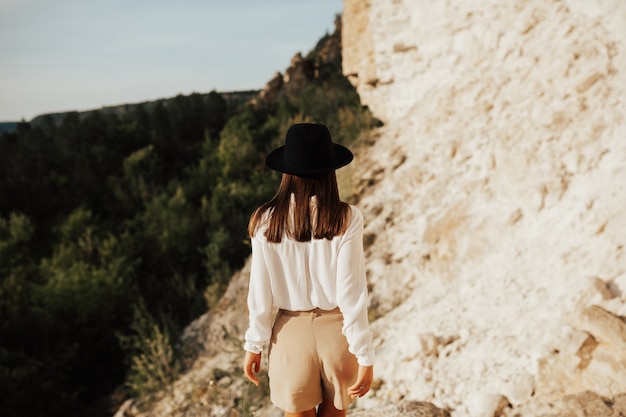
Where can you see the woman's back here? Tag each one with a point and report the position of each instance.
(306, 275)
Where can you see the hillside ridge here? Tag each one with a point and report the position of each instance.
(493, 198)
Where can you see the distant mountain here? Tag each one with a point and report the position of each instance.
(7, 127)
(230, 96)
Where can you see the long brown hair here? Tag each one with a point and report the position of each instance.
(330, 219)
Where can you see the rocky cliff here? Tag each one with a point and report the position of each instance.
(495, 200)
(495, 224)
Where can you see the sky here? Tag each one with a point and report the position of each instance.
(64, 55)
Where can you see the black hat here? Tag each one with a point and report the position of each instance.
(308, 149)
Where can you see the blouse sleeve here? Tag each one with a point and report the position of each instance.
(260, 300)
(352, 291)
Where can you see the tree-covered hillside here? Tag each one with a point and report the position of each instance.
(117, 229)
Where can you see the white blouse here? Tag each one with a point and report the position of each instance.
(320, 273)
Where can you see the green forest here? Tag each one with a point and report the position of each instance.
(119, 228)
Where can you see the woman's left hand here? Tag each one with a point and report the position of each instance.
(252, 366)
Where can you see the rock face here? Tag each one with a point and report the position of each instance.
(299, 72)
(494, 199)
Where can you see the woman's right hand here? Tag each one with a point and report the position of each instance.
(363, 383)
(252, 366)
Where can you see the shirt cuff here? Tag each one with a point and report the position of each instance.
(366, 360)
(253, 347)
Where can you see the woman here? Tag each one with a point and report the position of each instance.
(307, 260)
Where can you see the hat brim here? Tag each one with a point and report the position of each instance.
(276, 161)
